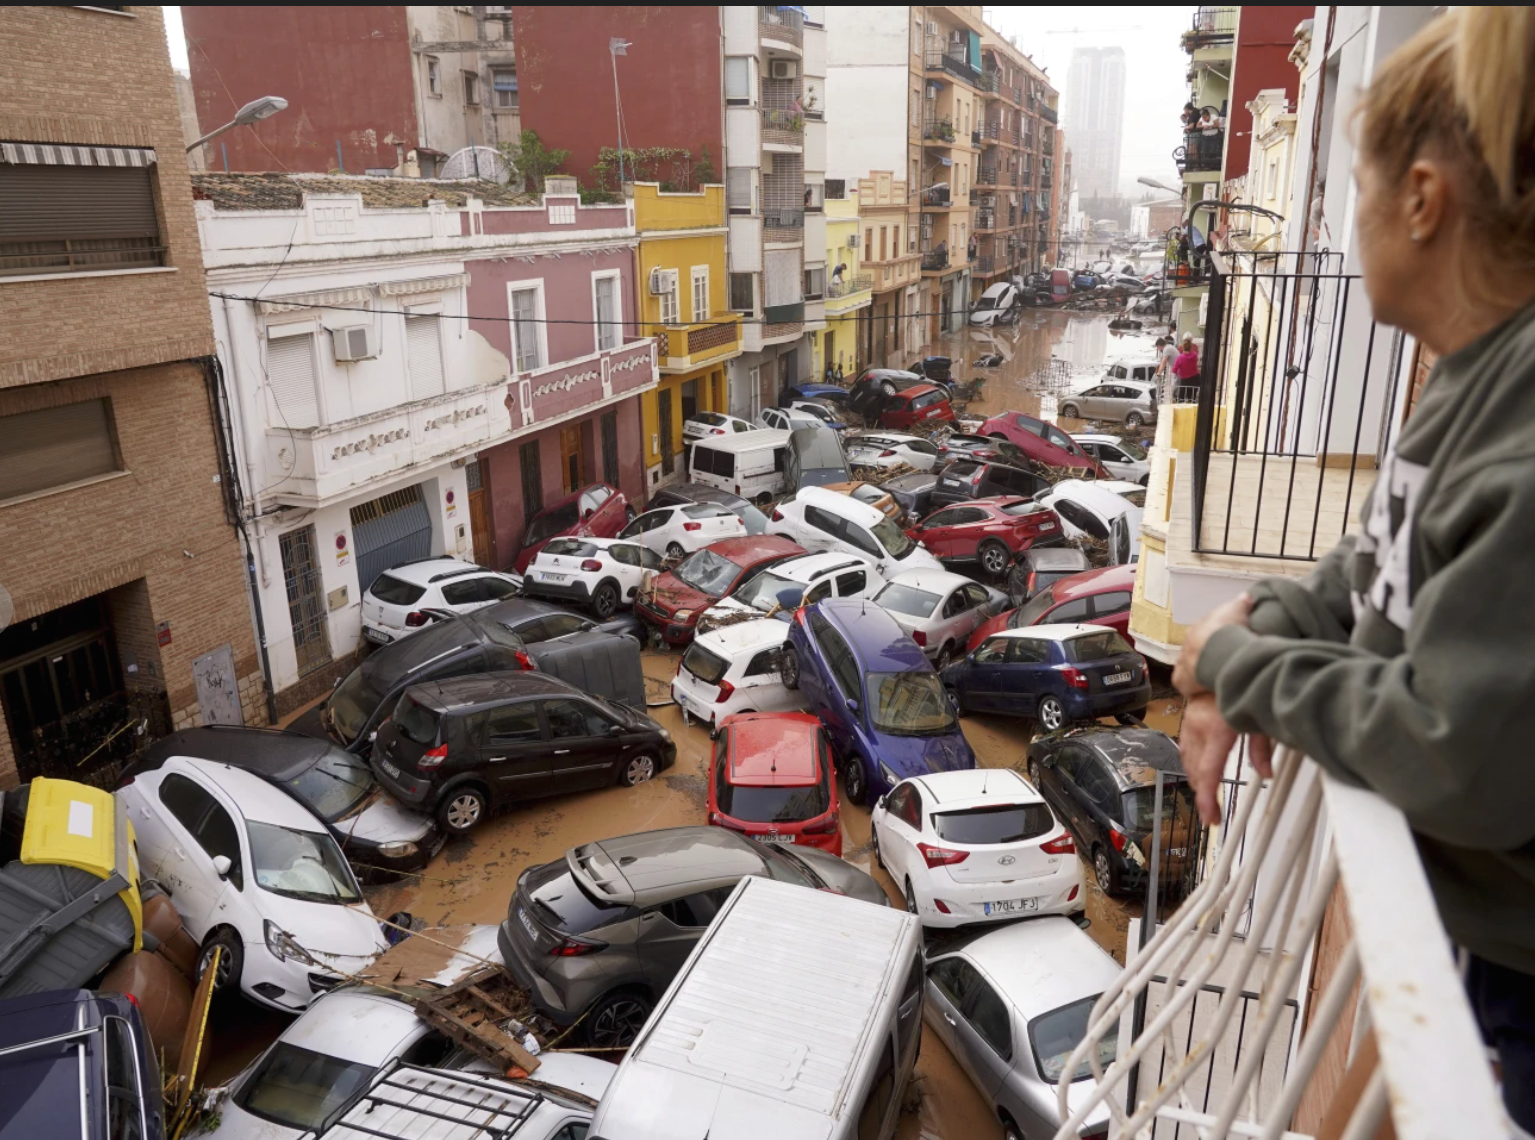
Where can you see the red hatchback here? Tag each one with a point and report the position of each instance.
(988, 531)
(918, 404)
(672, 601)
(772, 781)
(1093, 597)
(1042, 442)
(598, 511)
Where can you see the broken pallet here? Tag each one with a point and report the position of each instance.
(471, 1012)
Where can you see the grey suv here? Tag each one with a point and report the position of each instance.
(600, 934)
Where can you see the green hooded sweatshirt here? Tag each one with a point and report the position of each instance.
(1405, 663)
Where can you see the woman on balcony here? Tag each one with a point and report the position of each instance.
(1404, 662)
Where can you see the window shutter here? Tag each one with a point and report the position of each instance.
(41, 203)
(423, 338)
(54, 446)
(290, 375)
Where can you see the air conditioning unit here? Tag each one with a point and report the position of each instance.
(932, 92)
(852, 241)
(782, 69)
(357, 342)
(662, 282)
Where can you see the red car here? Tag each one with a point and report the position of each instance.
(773, 780)
(672, 601)
(598, 511)
(917, 404)
(1093, 597)
(988, 531)
(1042, 442)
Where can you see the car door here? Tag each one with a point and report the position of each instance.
(948, 984)
(974, 613)
(842, 688)
(1090, 402)
(1111, 608)
(822, 530)
(937, 533)
(1057, 779)
(902, 833)
(174, 817)
(853, 584)
(859, 539)
(670, 930)
(626, 562)
(1082, 520)
(583, 752)
(649, 529)
(1026, 674)
(953, 624)
(513, 753)
(985, 1036)
(982, 686)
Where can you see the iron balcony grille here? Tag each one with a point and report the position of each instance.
(1201, 151)
(1211, 26)
(781, 23)
(940, 130)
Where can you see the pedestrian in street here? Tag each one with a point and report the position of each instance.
(839, 377)
(1402, 662)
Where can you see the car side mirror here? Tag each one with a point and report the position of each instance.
(222, 865)
(852, 705)
(588, 514)
(970, 657)
(616, 730)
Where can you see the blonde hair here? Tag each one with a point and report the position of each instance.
(1463, 90)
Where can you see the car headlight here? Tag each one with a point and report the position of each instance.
(665, 734)
(889, 777)
(397, 850)
(682, 615)
(282, 945)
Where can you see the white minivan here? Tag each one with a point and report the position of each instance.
(817, 1037)
(749, 464)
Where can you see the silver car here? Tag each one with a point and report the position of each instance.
(940, 610)
(1011, 1006)
(1128, 402)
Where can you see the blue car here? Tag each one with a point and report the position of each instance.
(884, 709)
(814, 391)
(1057, 674)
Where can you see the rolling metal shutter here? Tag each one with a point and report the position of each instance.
(53, 203)
(389, 530)
(290, 373)
(54, 446)
(424, 344)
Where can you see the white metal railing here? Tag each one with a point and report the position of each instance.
(1432, 1070)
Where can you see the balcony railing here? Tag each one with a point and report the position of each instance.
(975, 137)
(1211, 26)
(936, 196)
(783, 314)
(986, 263)
(1048, 146)
(1201, 151)
(937, 259)
(939, 130)
(783, 219)
(942, 58)
(1048, 113)
(991, 131)
(985, 220)
(781, 23)
(987, 175)
(991, 81)
(785, 127)
(850, 284)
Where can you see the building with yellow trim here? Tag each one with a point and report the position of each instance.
(849, 292)
(683, 303)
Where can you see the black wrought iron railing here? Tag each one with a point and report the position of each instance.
(937, 259)
(1201, 151)
(938, 130)
(1048, 113)
(1212, 26)
(952, 61)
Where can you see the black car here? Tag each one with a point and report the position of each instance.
(873, 385)
(963, 445)
(79, 1064)
(338, 787)
(914, 492)
(1041, 567)
(535, 621)
(967, 479)
(934, 368)
(457, 748)
(1101, 783)
(683, 494)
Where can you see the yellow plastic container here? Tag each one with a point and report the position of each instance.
(75, 825)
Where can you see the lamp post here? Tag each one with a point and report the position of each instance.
(1155, 185)
(248, 115)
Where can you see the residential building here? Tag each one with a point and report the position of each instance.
(1060, 195)
(683, 303)
(1271, 159)
(125, 606)
(411, 368)
(371, 90)
(897, 328)
(849, 287)
(1095, 118)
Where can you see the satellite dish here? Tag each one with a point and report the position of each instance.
(482, 162)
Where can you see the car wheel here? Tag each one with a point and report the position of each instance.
(1052, 714)
(789, 670)
(911, 897)
(1071, 411)
(629, 513)
(637, 770)
(1134, 419)
(231, 962)
(954, 701)
(674, 550)
(1011, 1131)
(616, 1020)
(887, 388)
(605, 601)
(1146, 479)
(1105, 872)
(946, 656)
(855, 782)
(462, 810)
(994, 558)
(879, 856)
(1134, 716)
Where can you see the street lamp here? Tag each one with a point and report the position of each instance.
(248, 115)
(1155, 185)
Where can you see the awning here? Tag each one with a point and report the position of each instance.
(424, 285)
(946, 162)
(292, 302)
(63, 154)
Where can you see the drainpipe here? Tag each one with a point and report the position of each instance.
(237, 430)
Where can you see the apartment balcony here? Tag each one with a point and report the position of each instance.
(991, 133)
(1048, 147)
(783, 227)
(949, 60)
(986, 175)
(940, 131)
(991, 82)
(854, 291)
(781, 26)
(1211, 26)
(1201, 152)
(686, 347)
(985, 221)
(783, 131)
(1048, 114)
(935, 261)
(937, 197)
(987, 264)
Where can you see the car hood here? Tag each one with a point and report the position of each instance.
(918, 755)
(383, 819)
(920, 559)
(670, 594)
(841, 875)
(312, 723)
(339, 937)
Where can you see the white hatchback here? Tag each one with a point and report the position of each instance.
(819, 519)
(734, 669)
(599, 573)
(678, 531)
(704, 424)
(1088, 507)
(890, 449)
(976, 846)
(1119, 457)
(255, 872)
(396, 602)
(786, 419)
(940, 610)
(810, 577)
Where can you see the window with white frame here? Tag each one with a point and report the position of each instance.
(290, 371)
(700, 293)
(815, 282)
(738, 189)
(527, 306)
(738, 81)
(423, 345)
(433, 77)
(666, 297)
(605, 311)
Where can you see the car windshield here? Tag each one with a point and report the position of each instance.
(351, 705)
(301, 1088)
(995, 823)
(1136, 498)
(336, 784)
(1141, 805)
(900, 598)
(762, 592)
(708, 572)
(1032, 610)
(395, 592)
(909, 704)
(1022, 507)
(1133, 450)
(546, 526)
(1097, 646)
(707, 667)
(910, 482)
(893, 538)
(572, 547)
(987, 301)
(786, 868)
(1055, 1034)
(300, 865)
(710, 419)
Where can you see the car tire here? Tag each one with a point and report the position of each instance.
(789, 671)
(1051, 714)
(855, 781)
(1071, 411)
(463, 809)
(1104, 871)
(954, 702)
(1011, 1131)
(629, 513)
(879, 856)
(1133, 717)
(1134, 419)
(674, 550)
(910, 896)
(231, 964)
(615, 1021)
(887, 388)
(637, 770)
(605, 601)
(1146, 479)
(946, 656)
(994, 557)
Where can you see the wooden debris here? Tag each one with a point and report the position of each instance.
(470, 1010)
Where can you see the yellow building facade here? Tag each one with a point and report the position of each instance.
(684, 304)
(849, 292)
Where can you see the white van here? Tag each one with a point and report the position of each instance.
(797, 1015)
(749, 464)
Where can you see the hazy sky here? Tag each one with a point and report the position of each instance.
(1155, 66)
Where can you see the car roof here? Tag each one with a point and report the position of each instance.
(258, 800)
(772, 749)
(453, 694)
(893, 436)
(353, 1024)
(275, 753)
(429, 570)
(1043, 964)
(702, 492)
(743, 636)
(746, 440)
(940, 581)
(911, 479)
(1095, 437)
(916, 390)
(998, 288)
(840, 504)
(1094, 582)
(1101, 494)
(890, 373)
(1057, 558)
(1135, 755)
(654, 866)
(878, 640)
(804, 567)
(1057, 632)
(975, 786)
(751, 548)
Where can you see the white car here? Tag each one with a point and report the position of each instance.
(939, 609)
(395, 603)
(784, 419)
(810, 577)
(600, 573)
(996, 304)
(890, 449)
(822, 520)
(1088, 507)
(1119, 457)
(976, 846)
(827, 414)
(703, 424)
(678, 531)
(255, 872)
(736, 668)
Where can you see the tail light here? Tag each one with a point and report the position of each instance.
(941, 856)
(887, 453)
(726, 689)
(777, 515)
(976, 478)
(678, 673)
(1033, 581)
(692, 526)
(943, 907)
(569, 947)
(718, 819)
(433, 757)
(1072, 897)
(1117, 838)
(524, 662)
(920, 638)
(716, 431)
(1074, 676)
(826, 825)
(415, 618)
(132, 1000)
(591, 565)
(1063, 845)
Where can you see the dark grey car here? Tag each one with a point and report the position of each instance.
(600, 934)
(1042, 566)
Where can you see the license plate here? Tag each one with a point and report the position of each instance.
(1116, 678)
(388, 767)
(1047, 526)
(1177, 852)
(548, 577)
(774, 837)
(1012, 906)
(374, 635)
(527, 924)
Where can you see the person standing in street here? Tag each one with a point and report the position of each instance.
(1402, 663)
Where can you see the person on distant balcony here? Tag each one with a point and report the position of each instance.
(1403, 663)
(838, 273)
(1190, 116)
(1185, 366)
